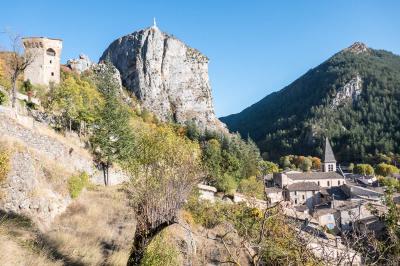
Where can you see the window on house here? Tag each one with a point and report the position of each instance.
(295, 201)
(319, 183)
(330, 167)
(329, 183)
(338, 182)
(52, 74)
(295, 193)
(51, 61)
(50, 52)
(304, 197)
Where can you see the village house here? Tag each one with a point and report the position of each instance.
(304, 187)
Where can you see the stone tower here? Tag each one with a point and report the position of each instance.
(329, 161)
(45, 68)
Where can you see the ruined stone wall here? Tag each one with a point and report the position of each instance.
(41, 163)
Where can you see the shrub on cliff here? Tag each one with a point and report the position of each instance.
(77, 183)
(3, 97)
(160, 252)
(4, 163)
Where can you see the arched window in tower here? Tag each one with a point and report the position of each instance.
(50, 52)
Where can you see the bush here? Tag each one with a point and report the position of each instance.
(384, 169)
(4, 164)
(267, 167)
(252, 187)
(160, 252)
(206, 213)
(77, 183)
(3, 97)
(226, 183)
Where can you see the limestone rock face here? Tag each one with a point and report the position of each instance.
(349, 92)
(357, 48)
(103, 68)
(167, 76)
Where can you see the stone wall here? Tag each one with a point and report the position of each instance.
(41, 163)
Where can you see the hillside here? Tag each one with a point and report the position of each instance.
(352, 98)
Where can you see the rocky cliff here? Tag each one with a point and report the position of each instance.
(170, 78)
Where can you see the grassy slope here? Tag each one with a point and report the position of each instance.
(96, 229)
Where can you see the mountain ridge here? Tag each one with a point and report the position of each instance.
(294, 119)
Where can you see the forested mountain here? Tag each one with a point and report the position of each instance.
(353, 98)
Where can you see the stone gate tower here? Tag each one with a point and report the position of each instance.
(46, 65)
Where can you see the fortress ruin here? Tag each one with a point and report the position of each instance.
(45, 68)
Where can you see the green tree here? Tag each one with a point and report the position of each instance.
(305, 164)
(285, 162)
(351, 167)
(267, 167)
(392, 220)
(226, 183)
(364, 169)
(212, 159)
(75, 100)
(384, 169)
(164, 168)
(252, 187)
(112, 135)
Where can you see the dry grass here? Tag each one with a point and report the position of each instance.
(53, 173)
(96, 229)
(18, 245)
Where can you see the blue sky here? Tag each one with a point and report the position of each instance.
(255, 47)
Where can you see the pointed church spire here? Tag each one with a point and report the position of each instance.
(329, 157)
(154, 22)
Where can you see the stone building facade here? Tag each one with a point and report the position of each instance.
(45, 68)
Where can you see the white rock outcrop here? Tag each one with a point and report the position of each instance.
(80, 64)
(357, 48)
(349, 92)
(167, 76)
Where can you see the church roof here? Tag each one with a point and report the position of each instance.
(315, 176)
(329, 157)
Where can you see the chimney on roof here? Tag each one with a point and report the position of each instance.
(329, 161)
